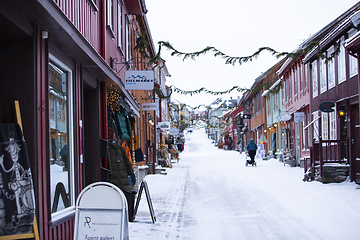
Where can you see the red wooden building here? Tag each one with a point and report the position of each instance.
(57, 58)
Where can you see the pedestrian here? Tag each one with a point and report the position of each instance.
(240, 146)
(251, 148)
(230, 146)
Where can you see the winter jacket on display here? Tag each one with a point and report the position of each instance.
(125, 131)
(251, 145)
(127, 150)
(120, 167)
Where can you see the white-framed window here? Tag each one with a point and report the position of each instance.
(61, 138)
(332, 121)
(341, 62)
(331, 68)
(353, 60)
(290, 89)
(324, 126)
(303, 133)
(315, 116)
(301, 77)
(306, 76)
(296, 80)
(314, 78)
(110, 15)
(127, 36)
(120, 24)
(323, 82)
(307, 130)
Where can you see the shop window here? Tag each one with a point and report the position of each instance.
(60, 138)
(324, 125)
(332, 120)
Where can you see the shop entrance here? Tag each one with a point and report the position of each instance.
(355, 142)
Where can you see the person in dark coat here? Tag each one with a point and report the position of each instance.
(120, 169)
(251, 148)
(230, 146)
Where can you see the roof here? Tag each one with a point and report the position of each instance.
(338, 26)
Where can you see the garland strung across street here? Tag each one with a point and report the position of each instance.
(142, 44)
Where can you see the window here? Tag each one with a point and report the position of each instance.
(324, 125)
(352, 60)
(60, 137)
(289, 86)
(307, 130)
(323, 82)
(331, 69)
(316, 125)
(283, 92)
(332, 120)
(341, 62)
(314, 78)
(120, 26)
(275, 96)
(110, 15)
(306, 76)
(127, 41)
(286, 85)
(303, 132)
(295, 80)
(301, 77)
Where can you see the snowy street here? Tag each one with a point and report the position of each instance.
(210, 194)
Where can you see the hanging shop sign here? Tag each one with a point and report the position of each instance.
(299, 116)
(174, 131)
(284, 117)
(164, 125)
(139, 80)
(153, 106)
(327, 107)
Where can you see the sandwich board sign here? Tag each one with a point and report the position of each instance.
(101, 213)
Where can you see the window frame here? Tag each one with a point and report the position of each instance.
(331, 69)
(110, 17)
(353, 65)
(120, 25)
(324, 125)
(64, 213)
(323, 79)
(314, 79)
(127, 38)
(341, 60)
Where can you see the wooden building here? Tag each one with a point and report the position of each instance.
(334, 82)
(58, 59)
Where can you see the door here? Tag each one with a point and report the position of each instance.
(355, 143)
(297, 143)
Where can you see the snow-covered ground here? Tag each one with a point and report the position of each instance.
(210, 194)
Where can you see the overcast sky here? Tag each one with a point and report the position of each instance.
(236, 27)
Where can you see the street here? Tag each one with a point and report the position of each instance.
(210, 194)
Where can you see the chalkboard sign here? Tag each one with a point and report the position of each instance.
(148, 198)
